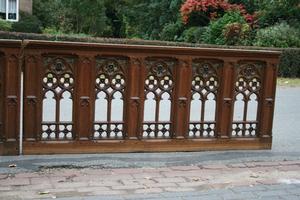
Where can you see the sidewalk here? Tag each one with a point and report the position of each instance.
(248, 180)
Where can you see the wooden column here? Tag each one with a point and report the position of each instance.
(268, 100)
(2, 66)
(32, 97)
(132, 117)
(11, 102)
(84, 97)
(226, 101)
(182, 98)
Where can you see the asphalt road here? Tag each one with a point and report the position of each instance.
(286, 146)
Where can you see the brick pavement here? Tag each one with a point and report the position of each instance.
(252, 180)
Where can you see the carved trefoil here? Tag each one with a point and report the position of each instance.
(248, 83)
(58, 91)
(204, 92)
(110, 85)
(158, 94)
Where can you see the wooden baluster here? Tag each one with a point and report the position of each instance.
(32, 97)
(225, 100)
(182, 98)
(268, 100)
(132, 117)
(84, 97)
(11, 104)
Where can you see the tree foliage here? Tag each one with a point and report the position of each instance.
(208, 21)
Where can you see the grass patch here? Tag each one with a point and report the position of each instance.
(289, 82)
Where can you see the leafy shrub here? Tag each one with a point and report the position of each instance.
(193, 34)
(5, 25)
(171, 32)
(215, 33)
(272, 12)
(27, 24)
(289, 65)
(280, 35)
(193, 10)
(238, 34)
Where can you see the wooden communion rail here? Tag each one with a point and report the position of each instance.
(66, 97)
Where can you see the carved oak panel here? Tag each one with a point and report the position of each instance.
(204, 92)
(248, 83)
(1, 97)
(58, 92)
(110, 86)
(158, 91)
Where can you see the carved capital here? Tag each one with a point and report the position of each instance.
(84, 101)
(31, 100)
(12, 100)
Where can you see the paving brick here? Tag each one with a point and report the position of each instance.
(155, 185)
(5, 188)
(128, 187)
(71, 185)
(3, 176)
(127, 171)
(156, 170)
(39, 180)
(170, 180)
(115, 177)
(147, 175)
(191, 173)
(26, 175)
(179, 189)
(214, 167)
(266, 164)
(108, 193)
(184, 168)
(250, 164)
(61, 190)
(92, 189)
(191, 184)
(15, 181)
(145, 181)
(104, 183)
(89, 171)
(203, 197)
(290, 162)
(148, 190)
(42, 186)
(142, 196)
(289, 168)
(267, 181)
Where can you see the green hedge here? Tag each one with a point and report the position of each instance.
(289, 65)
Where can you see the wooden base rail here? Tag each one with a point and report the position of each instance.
(99, 98)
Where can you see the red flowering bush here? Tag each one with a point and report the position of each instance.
(211, 9)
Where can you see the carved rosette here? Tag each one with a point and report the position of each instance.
(111, 75)
(248, 78)
(205, 76)
(159, 77)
